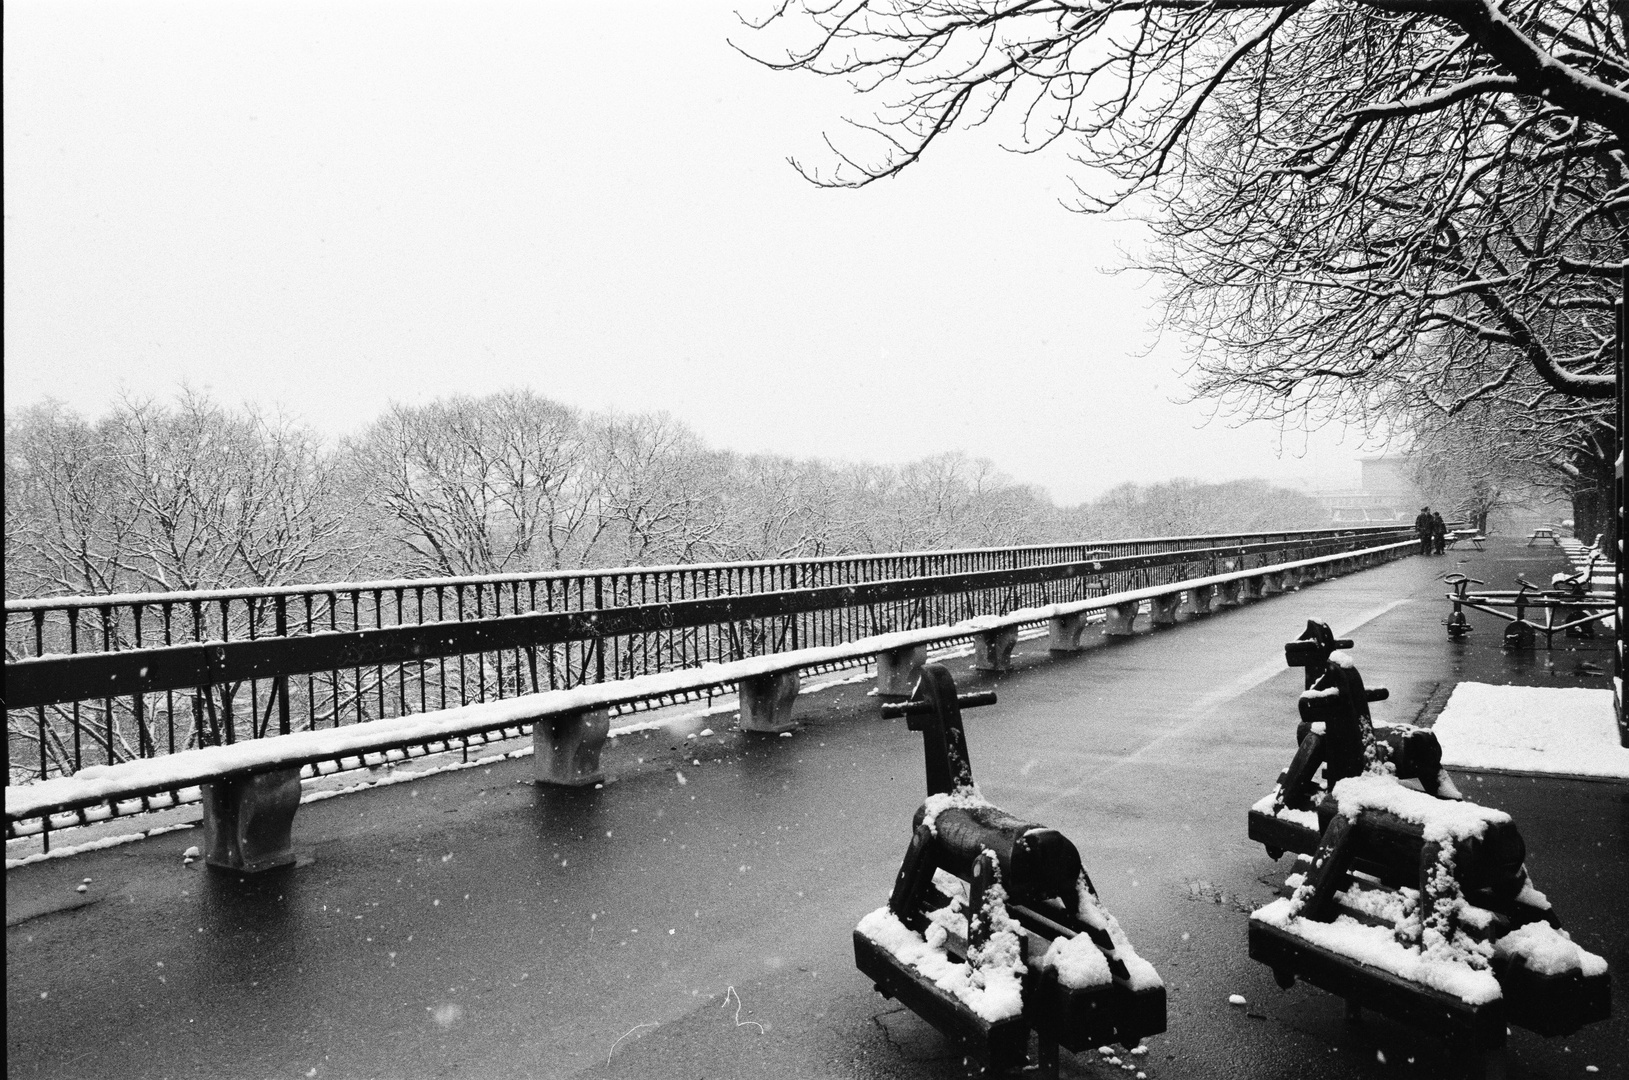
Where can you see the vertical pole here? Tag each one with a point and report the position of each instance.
(73, 647)
(107, 703)
(39, 650)
(138, 704)
(228, 691)
(280, 687)
(599, 639)
(1617, 555)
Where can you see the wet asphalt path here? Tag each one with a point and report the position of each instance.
(470, 924)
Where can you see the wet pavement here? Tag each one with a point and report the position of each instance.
(693, 917)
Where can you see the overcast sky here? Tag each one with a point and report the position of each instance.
(331, 206)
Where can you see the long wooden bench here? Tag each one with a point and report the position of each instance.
(251, 790)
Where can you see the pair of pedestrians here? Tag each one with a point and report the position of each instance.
(1432, 530)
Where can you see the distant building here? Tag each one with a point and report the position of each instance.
(1385, 494)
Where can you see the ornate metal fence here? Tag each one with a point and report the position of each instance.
(94, 680)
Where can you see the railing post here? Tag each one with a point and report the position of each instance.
(599, 639)
(138, 701)
(39, 650)
(280, 685)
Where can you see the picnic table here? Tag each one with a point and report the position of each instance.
(1470, 536)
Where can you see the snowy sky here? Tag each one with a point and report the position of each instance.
(329, 206)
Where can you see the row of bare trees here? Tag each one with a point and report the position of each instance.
(190, 494)
(161, 498)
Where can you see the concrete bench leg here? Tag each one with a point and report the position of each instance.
(1063, 633)
(1199, 599)
(566, 747)
(993, 651)
(1162, 610)
(1252, 588)
(1273, 584)
(899, 669)
(1228, 593)
(766, 702)
(1121, 619)
(249, 821)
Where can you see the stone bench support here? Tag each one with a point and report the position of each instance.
(249, 821)
(766, 702)
(1121, 619)
(1274, 583)
(899, 669)
(1251, 588)
(1162, 610)
(1228, 593)
(1199, 599)
(1063, 633)
(566, 747)
(992, 651)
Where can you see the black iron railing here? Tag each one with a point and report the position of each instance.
(98, 680)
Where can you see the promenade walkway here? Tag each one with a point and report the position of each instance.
(693, 917)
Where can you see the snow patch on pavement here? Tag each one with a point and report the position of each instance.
(1542, 730)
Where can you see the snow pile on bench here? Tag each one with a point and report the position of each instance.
(1542, 730)
(1078, 963)
(992, 986)
(1443, 820)
(1548, 951)
(1376, 947)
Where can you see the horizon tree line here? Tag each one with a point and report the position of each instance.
(191, 494)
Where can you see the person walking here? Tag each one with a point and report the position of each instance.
(1423, 526)
(1439, 532)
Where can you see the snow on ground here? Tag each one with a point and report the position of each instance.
(94, 845)
(1557, 731)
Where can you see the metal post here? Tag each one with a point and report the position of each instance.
(280, 685)
(1618, 702)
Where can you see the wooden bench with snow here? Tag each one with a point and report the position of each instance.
(1407, 899)
(251, 790)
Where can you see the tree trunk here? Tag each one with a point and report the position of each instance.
(1592, 512)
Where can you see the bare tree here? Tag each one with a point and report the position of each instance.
(482, 485)
(780, 507)
(159, 498)
(662, 490)
(1503, 452)
(163, 498)
(1335, 184)
(69, 528)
